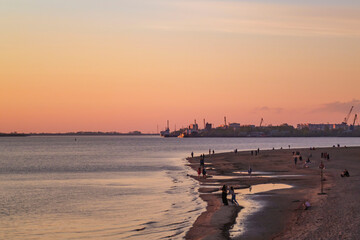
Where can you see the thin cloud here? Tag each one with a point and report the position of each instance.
(257, 18)
(338, 107)
(270, 109)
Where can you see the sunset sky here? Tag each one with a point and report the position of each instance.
(125, 65)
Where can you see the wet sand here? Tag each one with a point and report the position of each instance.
(334, 215)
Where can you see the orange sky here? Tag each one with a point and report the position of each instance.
(131, 65)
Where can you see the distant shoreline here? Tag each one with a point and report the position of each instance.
(155, 134)
(76, 134)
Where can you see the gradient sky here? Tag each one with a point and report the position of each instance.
(87, 65)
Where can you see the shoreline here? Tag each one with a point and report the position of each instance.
(282, 205)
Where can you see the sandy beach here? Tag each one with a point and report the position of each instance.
(279, 213)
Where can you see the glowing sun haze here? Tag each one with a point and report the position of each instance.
(130, 65)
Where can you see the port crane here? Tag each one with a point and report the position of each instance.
(346, 119)
(352, 127)
(355, 118)
(261, 121)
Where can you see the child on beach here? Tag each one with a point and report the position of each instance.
(204, 173)
(306, 205)
(233, 196)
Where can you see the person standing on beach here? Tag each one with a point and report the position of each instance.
(192, 154)
(295, 160)
(209, 151)
(204, 173)
(224, 195)
(202, 161)
(233, 196)
(199, 172)
(213, 152)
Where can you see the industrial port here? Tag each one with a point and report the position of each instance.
(346, 128)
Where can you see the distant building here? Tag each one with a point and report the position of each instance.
(234, 125)
(321, 126)
(250, 126)
(194, 127)
(208, 126)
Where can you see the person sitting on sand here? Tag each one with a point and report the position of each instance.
(224, 195)
(306, 205)
(345, 173)
(233, 196)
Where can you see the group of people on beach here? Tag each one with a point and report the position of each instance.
(224, 194)
(325, 155)
(297, 156)
(202, 169)
(256, 152)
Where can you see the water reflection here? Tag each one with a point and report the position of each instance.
(251, 205)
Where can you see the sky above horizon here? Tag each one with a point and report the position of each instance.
(87, 65)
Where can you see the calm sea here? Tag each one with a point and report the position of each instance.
(121, 187)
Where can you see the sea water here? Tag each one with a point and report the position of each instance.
(110, 187)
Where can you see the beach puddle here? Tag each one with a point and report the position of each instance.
(260, 188)
(254, 189)
(253, 173)
(223, 177)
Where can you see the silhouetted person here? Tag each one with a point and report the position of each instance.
(224, 195)
(192, 154)
(202, 162)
